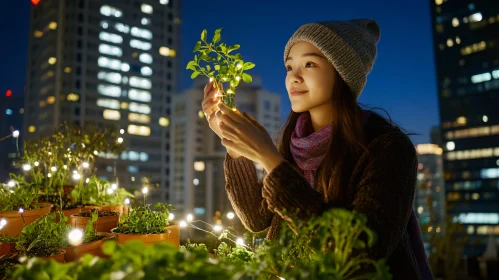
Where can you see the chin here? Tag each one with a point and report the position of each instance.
(298, 109)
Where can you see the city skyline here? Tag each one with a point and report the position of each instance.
(402, 81)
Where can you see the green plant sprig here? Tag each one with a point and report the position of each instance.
(219, 65)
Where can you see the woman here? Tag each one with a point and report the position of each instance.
(331, 153)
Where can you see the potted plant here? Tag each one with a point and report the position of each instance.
(19, 205)
(148, 226)
(7, 243)
(86, 242)
(102, 195)
(106, 221)
(44, 238)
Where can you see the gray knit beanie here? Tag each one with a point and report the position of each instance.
(349, 45)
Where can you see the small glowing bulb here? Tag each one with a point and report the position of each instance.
(145, 190)
(21, 210)
(87, 180)
(50, 153)
(120, 140)
(238, 78)
(75, 237)
(190, 217)
(37, 163)
(182, 224)
(239, 66)
(65, 167)
(27, 167)
(49, 175)
(114, 186)
(127, 201)
(110, 191)
(211, 80)
(11, 184)
(171, 217)
(86, 165)
(3, 222)
(53, 168)
(230, 215)
(96, 153)
(485, 118)
(76, 176)
(217, 228)
(74, 171)
(15, 134)
(122, 131)
(240, 241)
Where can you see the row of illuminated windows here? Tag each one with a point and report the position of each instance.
(477, 218)
(484, 77)
(454, 196)
(483, 230)
(133, 155)
(473, 132)
(485, 173)
(473, 154)
(113, 114)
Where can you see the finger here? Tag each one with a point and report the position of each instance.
(235, 115)
(228, 144)
(228, 132)
(253, 121)
(207, 88)
(227, 120)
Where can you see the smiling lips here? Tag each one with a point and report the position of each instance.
(296, 91)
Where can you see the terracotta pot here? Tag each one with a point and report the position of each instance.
(7, 248)
(15, 222)
(58, 258)
(103, 224)
(172, 237)
(92, 248)
(115, 208)
(70, 212)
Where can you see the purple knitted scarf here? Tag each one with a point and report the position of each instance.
(309, 149)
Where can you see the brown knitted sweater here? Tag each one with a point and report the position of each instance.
(381, 186)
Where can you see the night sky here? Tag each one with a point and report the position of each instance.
(402, 82)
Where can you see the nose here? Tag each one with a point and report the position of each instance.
(294, 77)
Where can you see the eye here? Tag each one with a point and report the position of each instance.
(288, 68)
(309, 64)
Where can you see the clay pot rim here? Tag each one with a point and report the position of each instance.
(77, 215)
(108, 236)
(41, 204)
(140, 234)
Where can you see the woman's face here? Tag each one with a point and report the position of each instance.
(309, 79)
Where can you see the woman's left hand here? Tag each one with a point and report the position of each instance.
(247, 137)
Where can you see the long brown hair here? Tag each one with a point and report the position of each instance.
(346, 144)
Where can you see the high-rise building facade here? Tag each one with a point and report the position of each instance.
(198, 186)
(467, 63)
(107, 62)
(11, 136)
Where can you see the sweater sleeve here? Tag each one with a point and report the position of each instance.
(384, 190)
(245, 193)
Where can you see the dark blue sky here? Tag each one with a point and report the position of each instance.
(402, 81)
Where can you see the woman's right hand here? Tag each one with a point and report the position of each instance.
(209, 104)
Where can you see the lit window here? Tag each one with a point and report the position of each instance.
(145, 21)
(140, 32)
(495, 74)
(139, 95)
(139, 130)
(108, 90)
(122, 27)
(450, 146)
(145, 58)
(140, 118)
(199, 166)
(439, 2)
(104, 24)
(146, 8)
(125, 67)
(31, 128)
(478, 218)
(164, 121)
(481, 78)
(144, 156)
(450, 43)
(420, 209)
(140, 82)
(489, 173)
(53, 25)
(141, 45)
(458, 40)
(164, 2)
(110, 11)
(51, 99)
(38, 34)
(52, 60)
(485, 119)
(111, 77)
(108, 103)
(139, 108)
(111, 115)
(109, 63)
(133, 168)
(73, 97)
(67, 70)
(477, 47)
(110, 37)
(146, 71)
(8, 112)
(124, 105)
(110, 50)
(475, 17)
(164, 51)
(455, 22)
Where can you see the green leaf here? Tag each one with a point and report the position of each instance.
(217, 67)
(208, 67)
(233, 48)
(247, 78)
(248, 66)
(195, 74)
(217, 36)
(197, 47)
(203, 35)
(191, 66)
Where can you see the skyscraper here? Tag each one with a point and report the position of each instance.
(11, 120)
(107, 62)
(467, 63)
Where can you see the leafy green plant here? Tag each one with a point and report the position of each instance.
(238, 254)
(90, 233)
(197, 248)
(143, 220)
(45, 236)
(19, 196)
(99, 192)
(227, 68)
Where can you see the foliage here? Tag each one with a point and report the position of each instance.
(90, 232)
(45, 236)
(20, 196)
(238, 254)
(227, 68)
(99, 192)
(7, 239)
(143, 220)
(197, 248)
